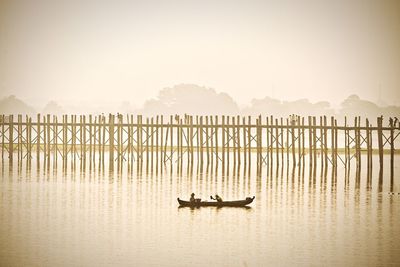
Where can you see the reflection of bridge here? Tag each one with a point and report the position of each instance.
(212, 140)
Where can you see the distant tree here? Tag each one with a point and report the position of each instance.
(13, 105)
(53, 108)
(269, 106)
(190, 99)
(354, 106)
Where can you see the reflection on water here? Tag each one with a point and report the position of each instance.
(92, 218)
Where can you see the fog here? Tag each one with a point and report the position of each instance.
(199, 100)
(99, 54)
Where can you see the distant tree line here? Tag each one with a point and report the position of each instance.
(199, 100)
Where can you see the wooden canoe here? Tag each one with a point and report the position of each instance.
(235, 203)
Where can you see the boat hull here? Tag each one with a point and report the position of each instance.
(236, 203)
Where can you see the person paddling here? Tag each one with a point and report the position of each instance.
(217, 198)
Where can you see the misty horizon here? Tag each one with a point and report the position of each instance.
(72, 52)
(191, 99)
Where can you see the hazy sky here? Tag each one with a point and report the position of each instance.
(113, 51)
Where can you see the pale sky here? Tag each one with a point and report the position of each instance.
(113, 51)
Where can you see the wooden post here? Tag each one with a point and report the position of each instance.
(391, 154)
(90, 140)
(249, 140)
(171, 141)
(257, 146)
(38, 140)
(244, 143)
(272, 141)
(325, 144)
(93, 137)
(201, 142)
(336, 147)
(2, 136)
(298, 138)
(287, 142)
(333, 142)
(223, 142)
(147, 144)
(48, 140)
(84, 142)
(267, 128)
(303, 141)
(111, 141)
(347, 149)
(79, 127)
(117, 124)
(228, 149)
(131, 138)
(310, 138)
(234, 139)
(11, 138)
(357, 144)
(96, 139)
(64, 141)
(29, 140)
(161, 144)
(380, 145)
(166, 143)
(293, 121)
(259, 138)
(187, 138)
(151, 142)
(207, 141)
(138, 142)
(346, 145)
(370, 147)
(79, 124)
(157, 132)
(73, 140)
(19, 138)
(321, 141)
(282, 144)
(191, 140)
(237, 140)
(277, 141)
(197, 139)
(181, 145)
(314, 143)
(369, 154)
(212, 140)
(178, 141)
(44, 141)
(99, 146)
(103, 145)
(216, 142)
(55, 140)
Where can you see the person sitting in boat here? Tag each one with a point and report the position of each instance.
(192, 199)
(218, 198)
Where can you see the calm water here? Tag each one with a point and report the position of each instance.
(95, 218)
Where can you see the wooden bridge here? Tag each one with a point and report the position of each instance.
(209, 140)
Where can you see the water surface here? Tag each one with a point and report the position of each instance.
(97, 218)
